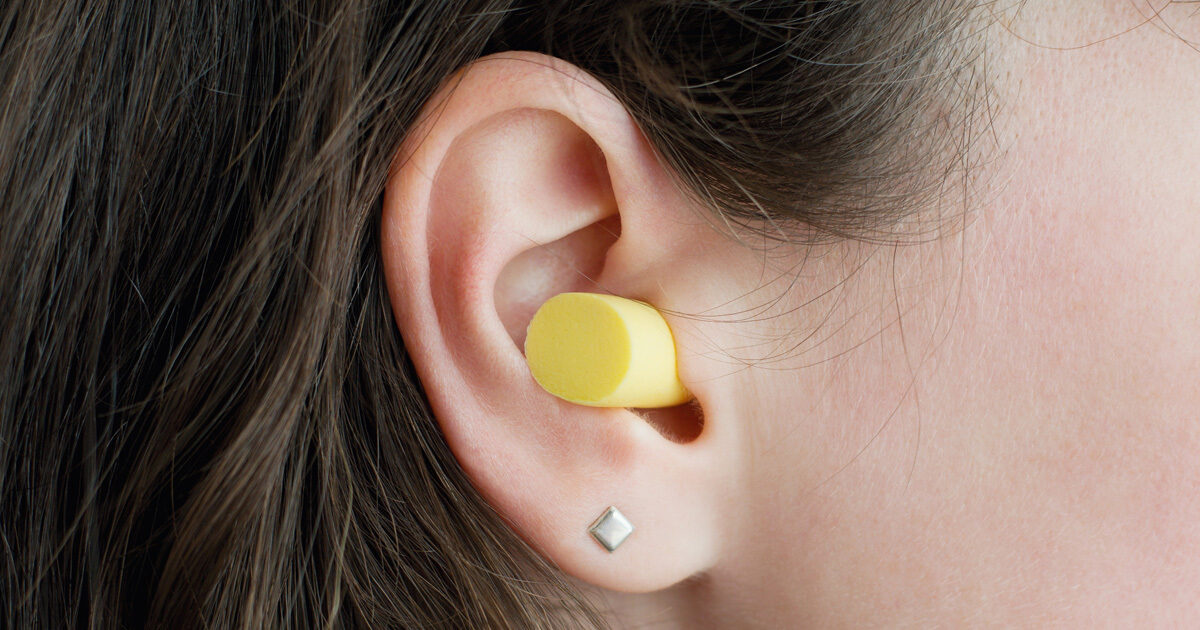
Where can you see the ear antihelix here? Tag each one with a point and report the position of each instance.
(604, 351)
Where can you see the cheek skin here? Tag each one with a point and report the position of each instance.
(1022, 444)
(1091, 273)
(1099, 305)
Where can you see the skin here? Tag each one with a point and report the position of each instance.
(996, 427)
(1021, 445)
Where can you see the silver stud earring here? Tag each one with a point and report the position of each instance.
(611, 529)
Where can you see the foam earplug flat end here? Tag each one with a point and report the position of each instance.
(604, 351)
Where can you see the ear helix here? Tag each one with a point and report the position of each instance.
(604, 351)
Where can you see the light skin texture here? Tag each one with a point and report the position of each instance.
(997, 427)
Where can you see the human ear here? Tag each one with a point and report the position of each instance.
(525, 178)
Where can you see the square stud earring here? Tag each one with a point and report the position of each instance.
(611, 529)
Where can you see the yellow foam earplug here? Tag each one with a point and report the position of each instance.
(604, 351)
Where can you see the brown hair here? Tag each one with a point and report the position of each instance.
(207, 416)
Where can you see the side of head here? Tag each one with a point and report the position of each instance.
(269, 272)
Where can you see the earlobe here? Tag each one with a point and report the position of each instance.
(525, 180)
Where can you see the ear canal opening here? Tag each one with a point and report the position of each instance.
(572, 263)
(681, 423)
